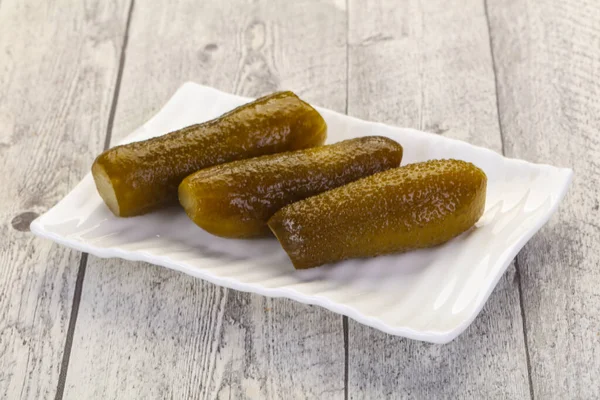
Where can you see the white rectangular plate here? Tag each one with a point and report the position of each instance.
(430, 295)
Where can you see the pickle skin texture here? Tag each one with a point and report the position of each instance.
(416, 206)
(136, 178)
(236, 200)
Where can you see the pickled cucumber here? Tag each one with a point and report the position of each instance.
(236, 199)
(416, 206)
(136, 178)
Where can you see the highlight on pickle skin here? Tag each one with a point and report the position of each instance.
(136, 178)
(416, 206)
(235, 200)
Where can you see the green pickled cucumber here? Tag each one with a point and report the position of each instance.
(136, 178)
(416, 206)
(236, 199)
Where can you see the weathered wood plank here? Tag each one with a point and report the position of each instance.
(58, 63)
(428, 65)
(548, 63)
(147, 332)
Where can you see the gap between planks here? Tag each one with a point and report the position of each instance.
(517, 270)
(64, 367)
(345, 318)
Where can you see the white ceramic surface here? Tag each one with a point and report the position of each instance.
(430, 295)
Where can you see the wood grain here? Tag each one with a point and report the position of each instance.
(58, 62)
(147, 332)
(548, 63)
(428, 65)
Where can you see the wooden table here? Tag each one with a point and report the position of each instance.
(521, 77)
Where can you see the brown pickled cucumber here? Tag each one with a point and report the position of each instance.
(136, 178)
(416, 206)
(236, 199)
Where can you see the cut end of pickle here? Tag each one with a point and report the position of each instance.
(187, 201)
(217, 219)
(105, 188)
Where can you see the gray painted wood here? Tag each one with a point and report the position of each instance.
(58, 63)
(144, 331)
(147, 332)
(548, 63)
(428, 65)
